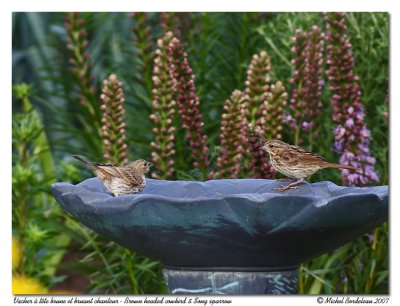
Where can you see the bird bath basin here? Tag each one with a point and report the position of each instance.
(228, 236)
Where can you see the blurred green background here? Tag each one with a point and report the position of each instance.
(51, 251)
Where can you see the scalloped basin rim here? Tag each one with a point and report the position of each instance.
(109, 201)
(257, 197)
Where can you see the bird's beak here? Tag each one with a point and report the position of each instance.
(150, 164)
(263, 148)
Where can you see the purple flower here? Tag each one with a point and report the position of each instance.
(289, 120)
(349, 123)
(350, 110)
(352, 137)
(305, 126)
(360, 115)
(339, 132)
(364, 132)
(338, 146)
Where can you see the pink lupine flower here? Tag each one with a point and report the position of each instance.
(352, 137)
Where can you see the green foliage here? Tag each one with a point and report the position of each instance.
(113, 269)
(357, 267)
(34, 210)
(53, 124)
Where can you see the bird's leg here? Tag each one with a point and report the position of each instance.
(290, 186)
(285, 179)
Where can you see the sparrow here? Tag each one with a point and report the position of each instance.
(296, 163)
(120, 180)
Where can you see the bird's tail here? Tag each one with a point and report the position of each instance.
(85, 161)
(333, 165)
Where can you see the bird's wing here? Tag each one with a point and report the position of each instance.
(311, 158)
(299, 156)
(131, 177)
(109, 169)
(291, 157)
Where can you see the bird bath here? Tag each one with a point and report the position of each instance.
(228, 236)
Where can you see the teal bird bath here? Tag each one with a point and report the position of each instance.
(228, 236)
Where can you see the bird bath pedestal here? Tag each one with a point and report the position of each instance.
(228, 236)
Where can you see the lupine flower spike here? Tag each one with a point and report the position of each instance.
(80, 60)
(232, 136)
(170, 22)
(265, 112)
(189, 103)
(113, 126)
(143, 43)
(352, 137)
(305, 103)
(164, 113)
